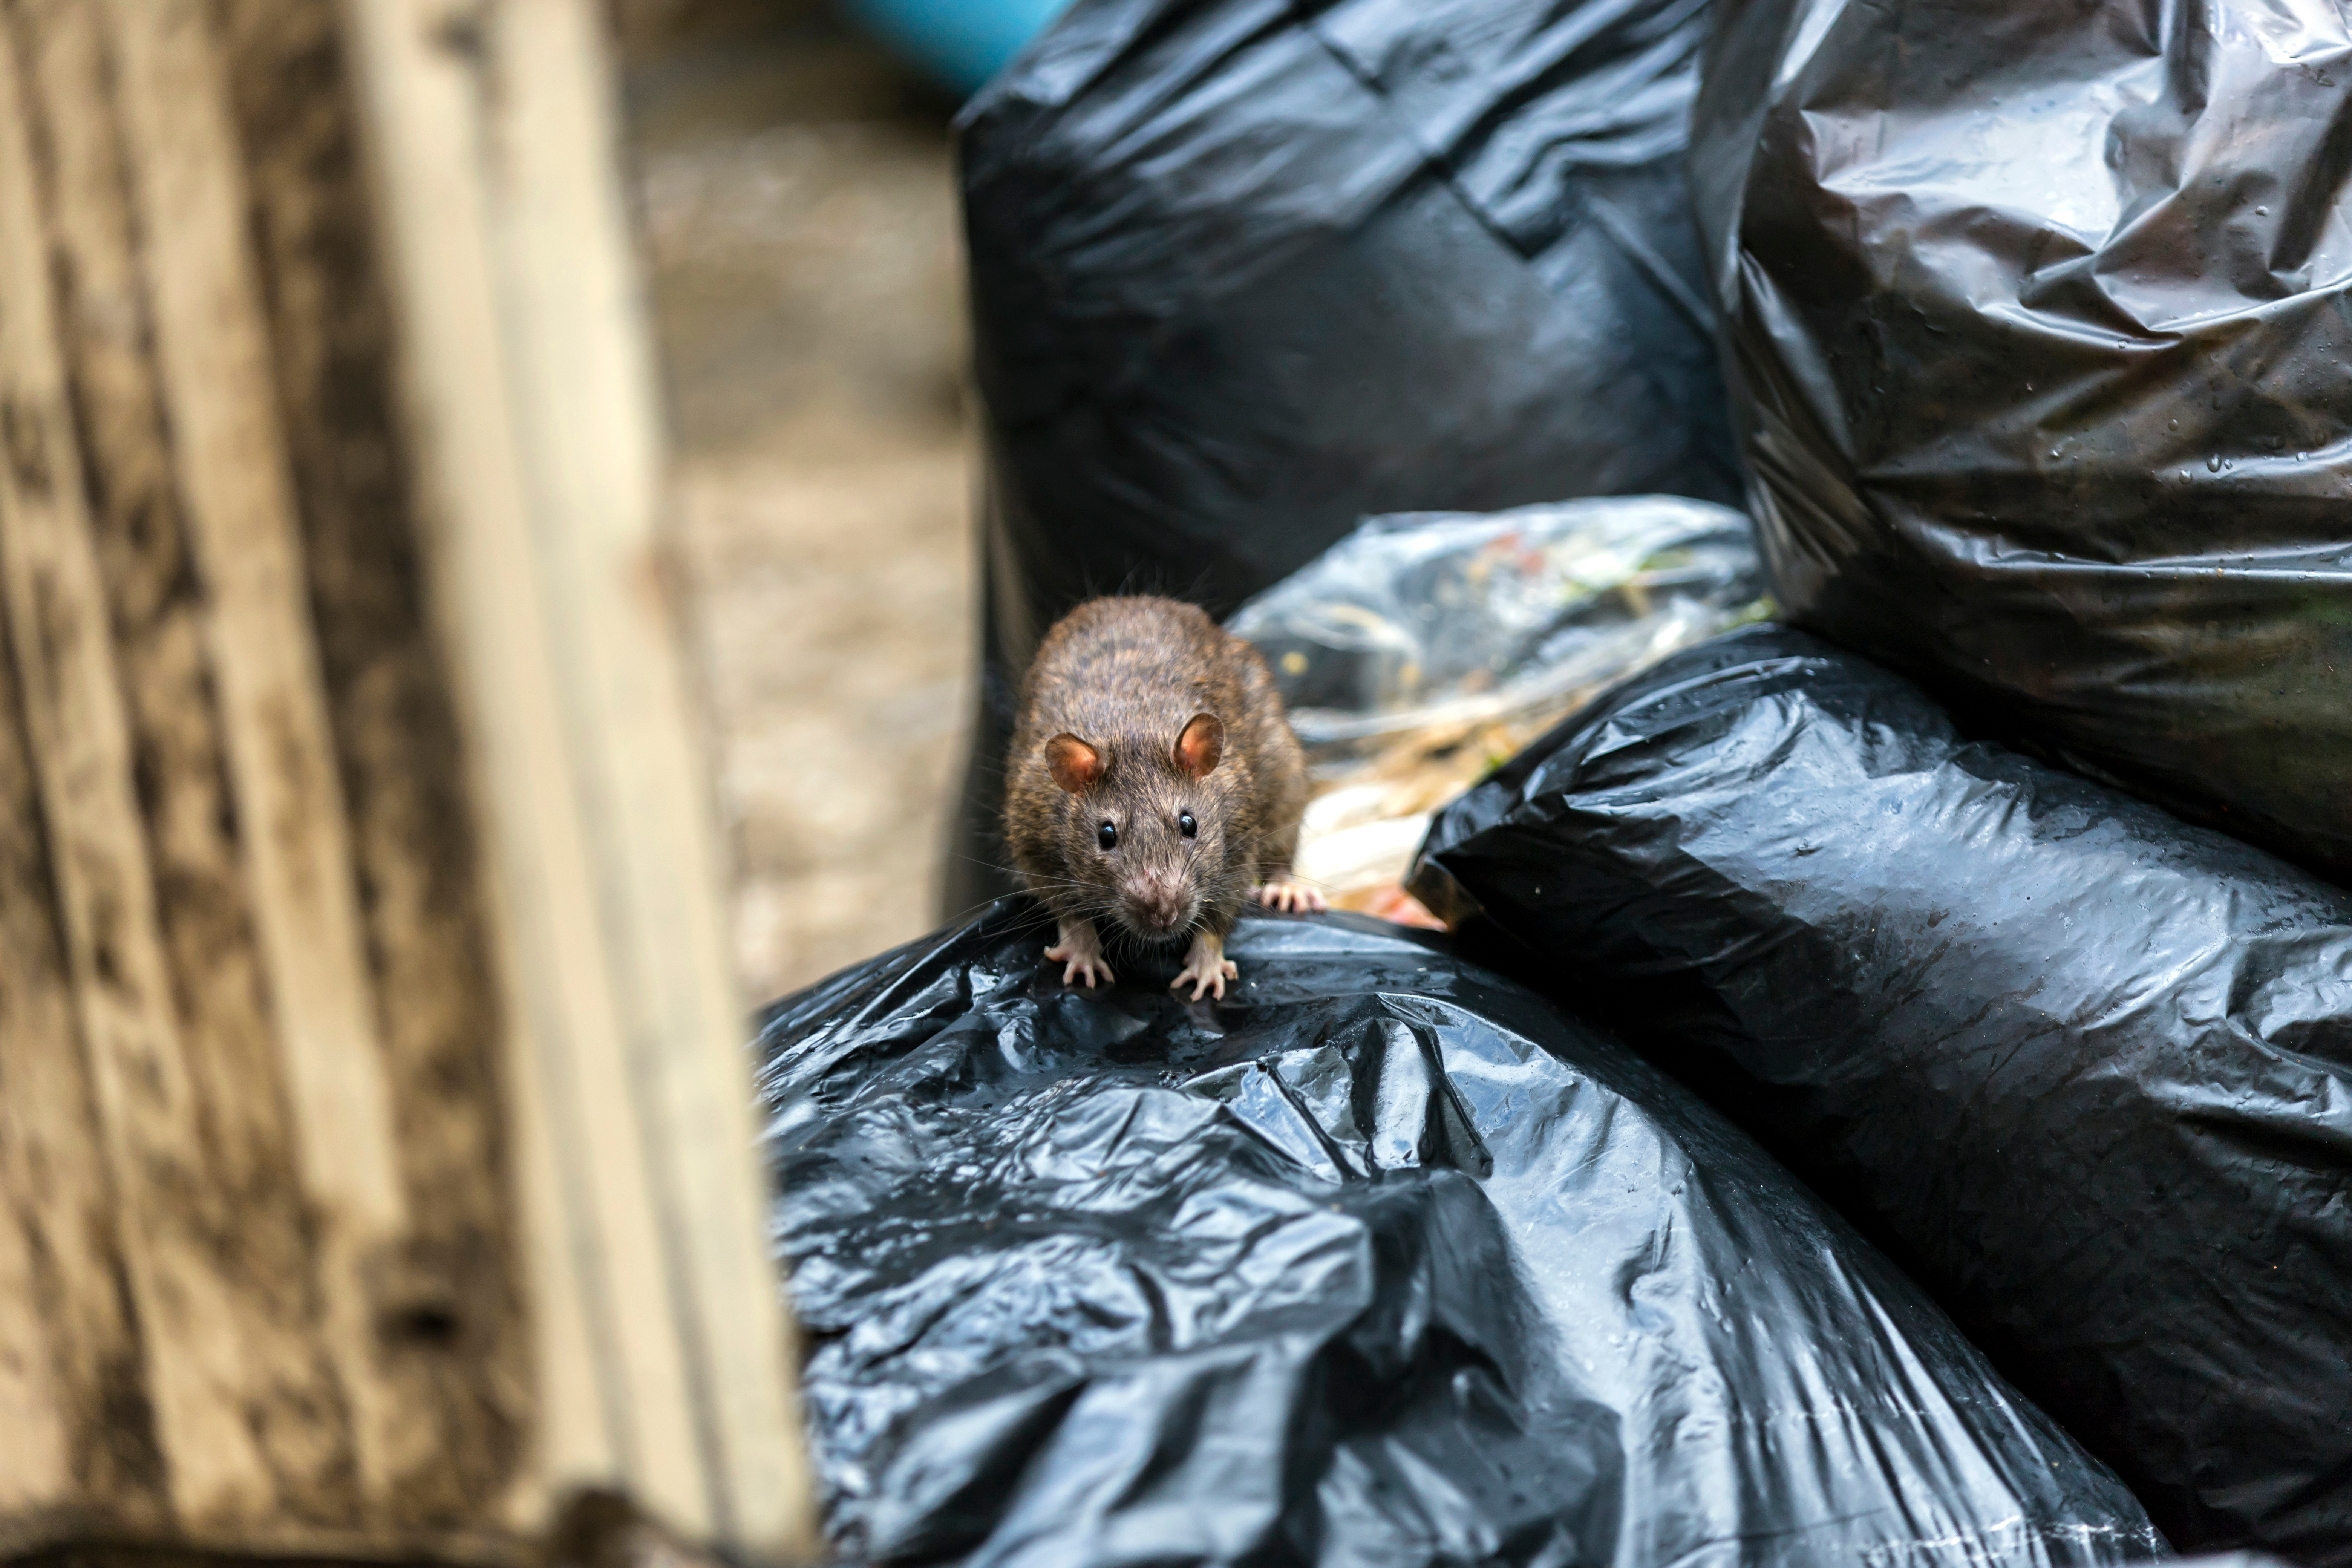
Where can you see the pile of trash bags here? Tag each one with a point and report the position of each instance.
(1974, 943)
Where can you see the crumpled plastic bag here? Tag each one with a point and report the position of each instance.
(2086, 1071)
(1383, 1261)
(2038, 317)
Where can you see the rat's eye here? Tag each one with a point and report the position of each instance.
(1184, 821)
(1107, 836)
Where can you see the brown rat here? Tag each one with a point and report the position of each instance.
(1153, 786)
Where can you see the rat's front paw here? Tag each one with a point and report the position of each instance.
(1080, 954)
(1291, 897)
(1207, 967)
(1077, 966)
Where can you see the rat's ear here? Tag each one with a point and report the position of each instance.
(1073, 764)
(1201, 745)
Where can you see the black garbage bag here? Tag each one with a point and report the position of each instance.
(1381, 1262)
(2086, 1071)
(2037, 319)
(1244, 272)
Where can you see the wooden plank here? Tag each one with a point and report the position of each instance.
(569, 291)
(613, 1412)
(529, 387)
(192, 1320)
(77, 1437)
(457, 1339)
(375, 1139)
(231, 465)
(67, 1351)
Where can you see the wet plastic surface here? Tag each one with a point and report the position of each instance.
(1245, 272)
(2086, 1071)
(1384, 1262)
(2038, 319)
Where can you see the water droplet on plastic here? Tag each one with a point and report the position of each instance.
(2214, 463)
(2262, 212)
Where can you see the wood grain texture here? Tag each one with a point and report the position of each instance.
(375, 1168)
(218, 1286)
(531, 386)
(450, 1298)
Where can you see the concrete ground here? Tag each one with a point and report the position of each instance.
(799, 219)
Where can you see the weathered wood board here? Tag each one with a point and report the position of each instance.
(375, 1141)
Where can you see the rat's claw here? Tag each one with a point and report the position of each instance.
(1211, 980)
(1291, 897)
(1206, 968)
(1079, 957)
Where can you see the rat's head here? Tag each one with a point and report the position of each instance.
(1143, 822)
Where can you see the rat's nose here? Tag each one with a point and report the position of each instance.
(1156, 900)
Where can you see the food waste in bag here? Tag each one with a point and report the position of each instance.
(1245, 272)
(2038, 318)
(1424, 648)
(1381, 1261)
(2084, 1069)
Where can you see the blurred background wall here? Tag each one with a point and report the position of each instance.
(795, 184)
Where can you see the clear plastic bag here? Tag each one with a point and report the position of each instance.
(1425, 620)
(1425, 648)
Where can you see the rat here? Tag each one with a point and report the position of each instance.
(1153, 783)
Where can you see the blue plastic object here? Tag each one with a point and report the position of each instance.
(961, 43)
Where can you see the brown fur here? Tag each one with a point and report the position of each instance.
(1125, 676)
